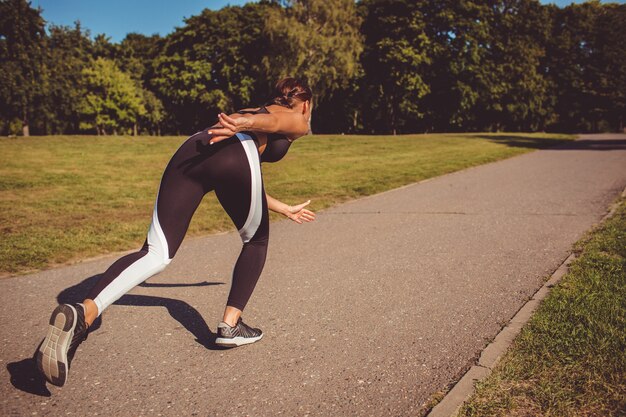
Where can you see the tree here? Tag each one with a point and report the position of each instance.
(186, 88)
(318, 40)
(154, 114)
(103, 48)
(212, 64)
(22, 38)
(608, 66)
(396, 52)
(587, 66)
(516, 97)
(458, 33)
(68, 54)
(113, 102)
(135, 54)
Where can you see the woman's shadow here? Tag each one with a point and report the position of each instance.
(26, 377)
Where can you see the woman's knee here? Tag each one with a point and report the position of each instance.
(160, 265)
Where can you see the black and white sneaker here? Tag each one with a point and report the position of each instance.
(67, 330)
(241, 334)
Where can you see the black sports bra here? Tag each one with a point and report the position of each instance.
(277, 145)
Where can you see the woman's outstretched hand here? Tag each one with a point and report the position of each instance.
(228, 126)
(299, 214)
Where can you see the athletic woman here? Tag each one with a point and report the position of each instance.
(225, 158)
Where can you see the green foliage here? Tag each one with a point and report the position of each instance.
(374, 65)
(114, 101)
(22, 42)
(154, 114)
(394, 61)
(211, 64)
(318, 40)
(516, 93)
(68, 54)
(135, 54)
(459, 35)
(586, 63)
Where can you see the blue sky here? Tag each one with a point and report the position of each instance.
(116, 18)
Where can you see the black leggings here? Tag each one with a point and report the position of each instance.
(232, 168)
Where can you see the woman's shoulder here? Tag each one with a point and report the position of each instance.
(253, 110)
(275, 108)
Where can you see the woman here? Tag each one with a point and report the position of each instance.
(225, 158)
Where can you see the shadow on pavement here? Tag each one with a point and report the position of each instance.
(26, 377)
(166, 285)
(180, 311)
(594, 145)
(537, 142)
(529, 142)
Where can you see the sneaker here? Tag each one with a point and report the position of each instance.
(240, 334)
(67, 330)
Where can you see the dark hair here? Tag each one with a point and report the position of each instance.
(288, 90)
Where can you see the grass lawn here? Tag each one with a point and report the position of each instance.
(64, 198)
(570, 358)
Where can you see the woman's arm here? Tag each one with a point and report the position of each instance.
(291, 124)
(296, 213)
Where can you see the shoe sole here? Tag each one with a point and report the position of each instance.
(236, 341)
(52, 354)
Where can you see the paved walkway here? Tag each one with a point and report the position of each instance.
(368, 311)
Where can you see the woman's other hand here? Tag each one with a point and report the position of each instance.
(228, 126)
(299, 214)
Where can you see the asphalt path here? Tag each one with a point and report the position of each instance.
(370, 310)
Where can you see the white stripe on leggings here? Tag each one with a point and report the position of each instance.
(256, 196)
(143, 268)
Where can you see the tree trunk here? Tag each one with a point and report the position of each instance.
(135, 129)
(25, 128)
(392, 115)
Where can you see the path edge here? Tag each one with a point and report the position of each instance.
(489, 357)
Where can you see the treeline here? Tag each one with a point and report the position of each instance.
(376, 66)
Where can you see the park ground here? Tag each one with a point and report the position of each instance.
(487, 236)
(66, 198)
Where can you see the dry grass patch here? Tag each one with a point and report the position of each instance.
(64, 198)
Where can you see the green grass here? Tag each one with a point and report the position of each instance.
(570, 359)
(64, 198)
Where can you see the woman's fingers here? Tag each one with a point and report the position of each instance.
(227, 122)
(220, 133)
(303, 215)
(217, 137)
(227, 127)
